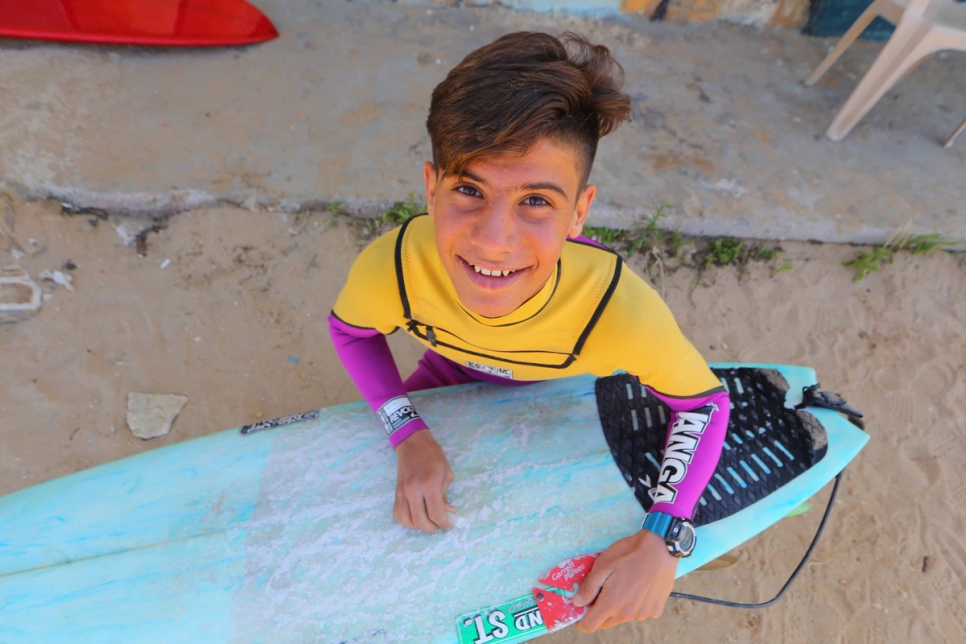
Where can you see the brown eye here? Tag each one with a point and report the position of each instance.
(469, 191)
(535, 201)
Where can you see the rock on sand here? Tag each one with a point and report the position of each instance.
(151, 415)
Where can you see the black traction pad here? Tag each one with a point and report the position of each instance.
(767, 444)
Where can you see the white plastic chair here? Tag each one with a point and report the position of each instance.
(923, 27)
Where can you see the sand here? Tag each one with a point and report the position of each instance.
(228, 308)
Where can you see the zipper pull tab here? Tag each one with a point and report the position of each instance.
(431, 335)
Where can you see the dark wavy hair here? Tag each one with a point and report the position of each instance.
(504, 97)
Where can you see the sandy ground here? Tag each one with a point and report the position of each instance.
(235, 321)
(335, 110)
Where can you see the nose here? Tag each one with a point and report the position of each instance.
(495, 232)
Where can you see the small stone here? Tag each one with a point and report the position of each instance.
(57, 277)
(20, 297)
(151, 415)
(128, 230)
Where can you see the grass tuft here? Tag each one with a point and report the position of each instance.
(644, 238)
(901, 240)
(402, 211)
(867, 263)
(725, 251)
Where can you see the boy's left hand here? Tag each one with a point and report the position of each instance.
(631, 580)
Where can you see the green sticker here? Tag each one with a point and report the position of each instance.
(517, 620)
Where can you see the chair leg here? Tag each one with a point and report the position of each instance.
(949, 141)
(847, 39)
(911, 42)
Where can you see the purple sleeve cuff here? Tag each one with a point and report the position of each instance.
(366, 356)
(696, 434)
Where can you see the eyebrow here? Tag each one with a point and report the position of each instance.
(546, 185)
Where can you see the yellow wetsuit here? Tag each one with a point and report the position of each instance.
(593, 316)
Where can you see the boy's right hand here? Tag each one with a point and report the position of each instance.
(422, 478)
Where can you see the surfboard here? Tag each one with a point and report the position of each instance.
(282, 531)
(186, 23)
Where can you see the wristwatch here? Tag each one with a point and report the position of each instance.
(678, 533)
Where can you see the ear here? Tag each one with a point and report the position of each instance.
(584, 200)
(429, 175)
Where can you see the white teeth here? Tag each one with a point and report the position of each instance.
(489, 273)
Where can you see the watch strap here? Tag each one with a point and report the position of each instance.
(657, 522)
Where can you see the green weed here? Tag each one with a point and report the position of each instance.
(920, 244)
(786, 266)
(402, 211)
(867, 263)
(676, 243)
(604, 235)
(724, 251)
(644, 238)
(766, 254)
(901, 240)
(649, 237)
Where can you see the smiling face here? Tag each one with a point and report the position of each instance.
(500, 228)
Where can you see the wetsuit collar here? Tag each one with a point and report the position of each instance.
(525, 311)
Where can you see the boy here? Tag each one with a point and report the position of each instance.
(498, 284)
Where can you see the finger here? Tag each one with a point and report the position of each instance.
(597, 615)
(436, 510)
(400, 510)
(449, 506)
(417, 508)
(591, 586)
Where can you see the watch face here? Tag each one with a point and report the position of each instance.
(681, 539)
(686, 539)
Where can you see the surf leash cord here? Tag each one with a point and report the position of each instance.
(791, 578)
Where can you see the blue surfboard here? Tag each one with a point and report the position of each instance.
(282, 531)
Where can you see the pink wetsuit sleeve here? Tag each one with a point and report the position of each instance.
(696, 434)
(366, 356)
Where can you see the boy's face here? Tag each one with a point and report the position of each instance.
(500, 228)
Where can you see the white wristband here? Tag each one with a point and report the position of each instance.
(395, 413)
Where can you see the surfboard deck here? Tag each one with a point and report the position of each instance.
(284, 533)
(185, 23)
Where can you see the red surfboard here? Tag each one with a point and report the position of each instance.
(184, 23)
